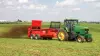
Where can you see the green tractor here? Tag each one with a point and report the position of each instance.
(72, 31)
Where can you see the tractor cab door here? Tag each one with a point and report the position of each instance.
(70, 25)
(55, 25)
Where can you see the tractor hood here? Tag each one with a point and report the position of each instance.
(81, 27)
(78, 28)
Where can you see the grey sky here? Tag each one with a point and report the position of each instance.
(50, 10)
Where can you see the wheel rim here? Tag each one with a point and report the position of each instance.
(31, 37)
(79, 39)
(36, 37)
(61, 35)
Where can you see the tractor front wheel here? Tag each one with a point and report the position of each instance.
(89, 39)
(80, 39)
(62, 35)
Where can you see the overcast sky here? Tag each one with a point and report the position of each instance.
(49, 10)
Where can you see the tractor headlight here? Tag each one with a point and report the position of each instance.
(86, 31)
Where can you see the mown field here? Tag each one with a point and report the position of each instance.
(27, 47)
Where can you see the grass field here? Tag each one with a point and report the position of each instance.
(27, 47)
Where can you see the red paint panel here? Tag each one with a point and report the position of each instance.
(36, 23)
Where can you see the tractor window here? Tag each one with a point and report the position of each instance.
(74, 22)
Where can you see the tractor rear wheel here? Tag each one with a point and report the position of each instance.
(80, 39)
(89, 39)
(62, 35)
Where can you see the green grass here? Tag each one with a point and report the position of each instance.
(27, 47)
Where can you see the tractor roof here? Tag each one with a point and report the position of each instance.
(71, 20)
(55, 22)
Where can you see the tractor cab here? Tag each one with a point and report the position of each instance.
(70, 23)
(55, 25)
(69, 26)
(76, 32)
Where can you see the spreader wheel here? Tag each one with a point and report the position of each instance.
(89, 39)
(44, 38)
(37, 37)
(32, 36)
(80, 39)
(62, 35)
(49, 38)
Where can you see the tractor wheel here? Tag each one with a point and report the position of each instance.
(37, 37)
(62, 35)
(80, 39)
(32, 36)
(89, 39)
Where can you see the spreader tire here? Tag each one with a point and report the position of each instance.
(37, 36)
(49, 38)
(32, 36)
(89, 39)
(80, 39)
(44, 38)
(62, 35)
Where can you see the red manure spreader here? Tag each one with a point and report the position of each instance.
(36, 32)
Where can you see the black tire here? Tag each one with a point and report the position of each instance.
(62, 35)
(72, 36)
(37, 36)
(89, 39)
(49, 38)
(80, 39)
(44, 38)
(32, 36)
